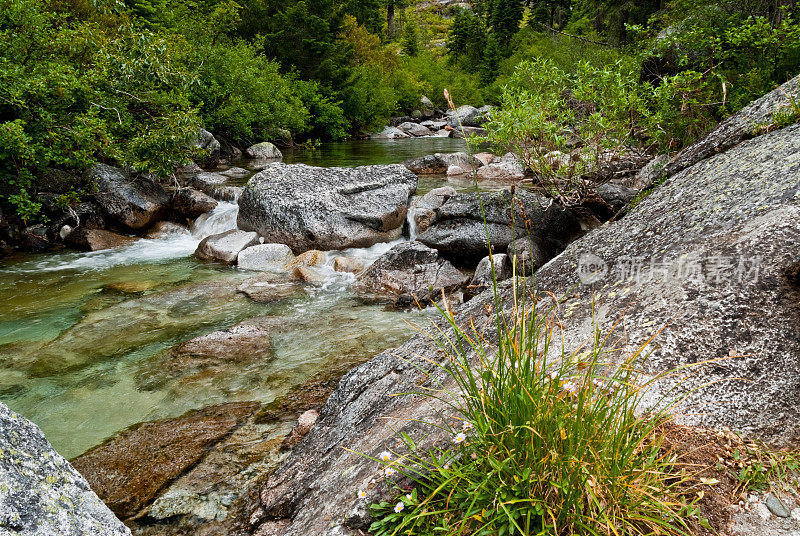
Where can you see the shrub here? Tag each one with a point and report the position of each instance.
(243, 95)
(73, 92)
(544, 107)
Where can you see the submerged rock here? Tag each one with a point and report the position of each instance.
(225, 247)
(41, 494)
(459, 232)
(129, 470)
(235, 173)
(132, 324)
(206, 356)
(410, 273)
(133, 201)
(97, 239)
(268, 287)
(308, 207)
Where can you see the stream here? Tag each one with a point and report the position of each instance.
(82, 334)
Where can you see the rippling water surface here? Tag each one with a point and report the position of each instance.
(82, 335)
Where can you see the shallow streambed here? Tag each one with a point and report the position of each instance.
(82, 334)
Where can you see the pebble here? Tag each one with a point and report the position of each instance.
(796, 514)
(776, 506)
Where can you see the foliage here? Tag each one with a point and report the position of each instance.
(544, 442)
(73, 92)
(544, 109)
(247, 103)
(759, 467)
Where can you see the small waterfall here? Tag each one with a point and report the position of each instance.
(221, 219)
(411, 217)
(146, 250)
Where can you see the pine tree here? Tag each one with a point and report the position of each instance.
(505, 17)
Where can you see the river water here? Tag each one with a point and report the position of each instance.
(83, 335)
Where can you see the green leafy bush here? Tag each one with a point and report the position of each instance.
(544, 109)
(250, 101)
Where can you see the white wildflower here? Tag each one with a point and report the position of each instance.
(399, 507)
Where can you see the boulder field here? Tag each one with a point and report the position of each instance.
(707, 264)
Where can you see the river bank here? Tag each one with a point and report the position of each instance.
(257, 356)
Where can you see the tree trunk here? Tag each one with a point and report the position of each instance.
(390, 20)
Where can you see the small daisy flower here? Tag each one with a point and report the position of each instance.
(362, 494)
(474, 455)
(446, 466)
(389, 471)
(467, 426)
(399, 507)
(460, 438)
(570, 387)
(408, 496)
(385, 456)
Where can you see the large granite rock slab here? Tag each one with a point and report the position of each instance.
(722, 214)
(308, 207)
(135, 201)
(41, 494)
(458, 230)
(711, 259)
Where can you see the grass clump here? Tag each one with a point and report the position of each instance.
(542, 442)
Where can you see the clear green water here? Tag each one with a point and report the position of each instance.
(372, 152)
(82, 334)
